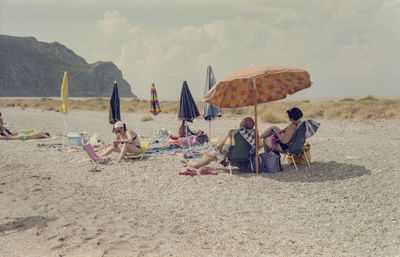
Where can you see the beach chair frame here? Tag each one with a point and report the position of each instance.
(296, 144)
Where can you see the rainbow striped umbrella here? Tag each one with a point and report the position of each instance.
(154, 105)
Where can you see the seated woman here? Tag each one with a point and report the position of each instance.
(127, 138)
(218, 151)
(276, 139)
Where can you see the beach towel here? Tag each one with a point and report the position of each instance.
(311, 127)
(249, 137)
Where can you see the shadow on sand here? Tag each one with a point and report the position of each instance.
(318, 172)
(21, 224)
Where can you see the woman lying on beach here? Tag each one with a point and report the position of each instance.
(129, 140)
(276, 139)
(38, 135)
(217, 152)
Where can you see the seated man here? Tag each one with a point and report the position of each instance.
(276, 139)
(219, 150)
(129, 140)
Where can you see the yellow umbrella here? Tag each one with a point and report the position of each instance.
(257, 84)
(64, 95)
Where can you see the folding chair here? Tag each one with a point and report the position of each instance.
(144, 145)
(93, 156)
(296, 144)
(239, 153)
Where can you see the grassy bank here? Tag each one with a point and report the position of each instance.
(368, 108)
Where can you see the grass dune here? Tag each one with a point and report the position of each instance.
(368, 108)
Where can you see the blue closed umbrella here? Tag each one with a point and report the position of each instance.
(114, 113)
(187, 107)
(210, 111)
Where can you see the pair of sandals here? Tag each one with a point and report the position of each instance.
(203, 171)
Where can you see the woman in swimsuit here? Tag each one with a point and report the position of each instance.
(39, 135)
(276, 139)
(129, 140)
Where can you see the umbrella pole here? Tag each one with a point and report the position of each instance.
(65, 132)
(209, 128)
(255, 123)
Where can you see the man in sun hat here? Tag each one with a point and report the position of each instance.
(127, 138)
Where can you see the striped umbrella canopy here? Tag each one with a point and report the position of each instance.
(114, 114)
(257, 84)
(154, 105)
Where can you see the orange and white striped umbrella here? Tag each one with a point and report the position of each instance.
(272, 83)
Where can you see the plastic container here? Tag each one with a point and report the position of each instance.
(75, 139)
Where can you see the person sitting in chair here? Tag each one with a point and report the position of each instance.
(217, 152)
(276, 139)
(127, 138)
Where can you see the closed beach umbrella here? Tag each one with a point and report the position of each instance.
(210, 111)
(64, 95)
(154, 105)
(64, 103)
(114, 113)
(257, 84)
(187, 107)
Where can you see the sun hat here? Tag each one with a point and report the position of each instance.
(118, 125)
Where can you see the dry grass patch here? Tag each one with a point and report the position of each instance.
(367, 108)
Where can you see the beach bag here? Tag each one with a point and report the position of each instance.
(271, 162)
(250, 166)
(300, 158)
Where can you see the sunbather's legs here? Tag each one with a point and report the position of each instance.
(128, 148)
(30, 136)
(205, 160)
(111, 149)
(269, 131)
(220, 143)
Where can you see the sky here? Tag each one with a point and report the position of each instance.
(351, 48)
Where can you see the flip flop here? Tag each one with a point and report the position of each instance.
(188, 172)
(208, 171)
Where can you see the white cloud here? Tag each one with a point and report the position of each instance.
(343, 44)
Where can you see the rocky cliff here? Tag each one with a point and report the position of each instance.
(32, 68)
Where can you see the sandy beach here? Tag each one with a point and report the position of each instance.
(346, 204)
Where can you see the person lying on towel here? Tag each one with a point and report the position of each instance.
(38, 135)
(127, 138)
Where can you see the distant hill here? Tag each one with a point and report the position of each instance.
(32, 68)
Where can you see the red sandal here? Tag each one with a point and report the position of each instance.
(208, 171)
(188, 172)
